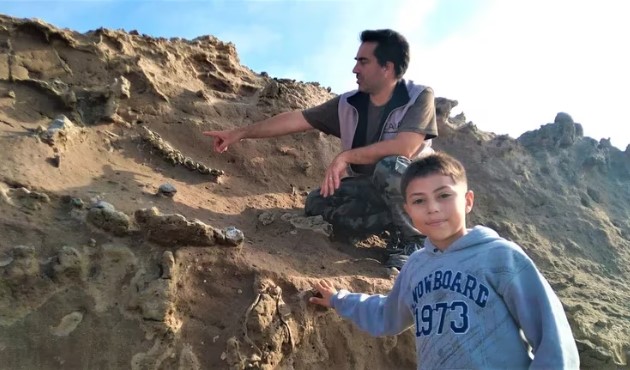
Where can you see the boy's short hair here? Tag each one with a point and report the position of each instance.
(437, 163)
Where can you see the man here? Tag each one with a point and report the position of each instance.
(383, 125)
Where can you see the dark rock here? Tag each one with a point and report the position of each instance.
(104, 216)
(605, 144)
(233, 236)
(562, 117)
(169, 229)
(562, 133)
(77, 202)
(103, 205)
(443, 107)
(167, 190)
(56, 160)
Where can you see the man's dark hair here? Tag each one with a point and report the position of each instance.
(434, 164)
(391, 47)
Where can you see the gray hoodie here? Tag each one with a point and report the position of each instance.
(470, 307)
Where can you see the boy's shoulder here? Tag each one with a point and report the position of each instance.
(505, 244)
(499, 249)
(503, 255)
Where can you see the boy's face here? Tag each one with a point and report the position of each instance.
(438, 206)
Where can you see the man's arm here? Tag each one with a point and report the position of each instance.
(404, 144)
(540, 315)
(278, 125)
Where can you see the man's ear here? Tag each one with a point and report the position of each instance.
(470, 200)
(389, 67)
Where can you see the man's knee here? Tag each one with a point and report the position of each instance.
(391, 166)
(388, 172)
(315, 203)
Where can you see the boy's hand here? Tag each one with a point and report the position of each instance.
(327, 291)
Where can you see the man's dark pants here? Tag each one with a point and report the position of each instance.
(366, 204)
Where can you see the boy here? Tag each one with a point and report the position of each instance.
(469, 293)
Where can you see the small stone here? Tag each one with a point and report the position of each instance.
(233, 235)
(70, 263)
(6, 262)
(167, 190)
(105, 216)
(60, 127)
(11, 94)
(287, 217)
(122, 87)
(24, 265)
(240, 291)
(56, 160)
(202, 94)
(203, 169)
(392, 272)
(77, 203)
(190, 164)
(92, 243)
(67, 325)
(266, 218)
(104, 205)
(168, 265)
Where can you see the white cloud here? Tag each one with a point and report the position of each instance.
(251, 39)
(522, 62)
(411, 16)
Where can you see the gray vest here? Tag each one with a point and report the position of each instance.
(349, 119)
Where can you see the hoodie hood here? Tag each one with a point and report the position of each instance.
(475, 236)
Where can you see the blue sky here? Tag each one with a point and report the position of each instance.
(512, 65)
